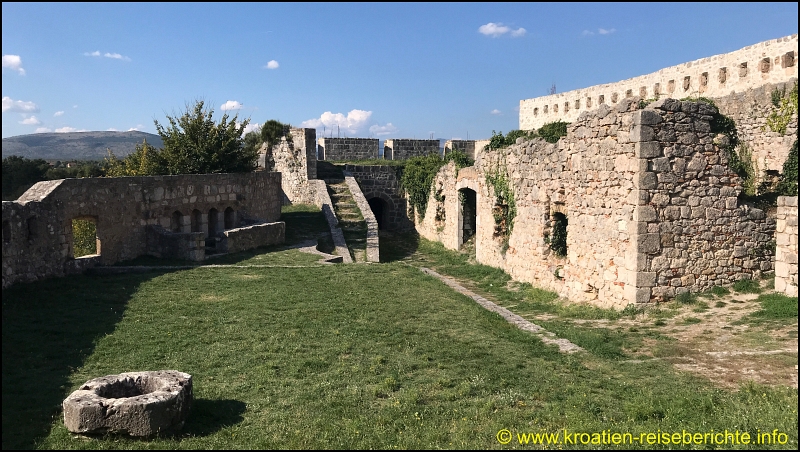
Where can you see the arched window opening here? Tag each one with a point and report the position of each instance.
(558, 234)
(6, 231)
(197, 221)
(213, 219)
(378, 207)
(32, 228)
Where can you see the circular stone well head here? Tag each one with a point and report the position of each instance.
(136, 403)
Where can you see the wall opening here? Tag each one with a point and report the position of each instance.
(84, 237)
(176, 222)
(379, 209)
(230, 218)
(6, 231)
(32, 225)
(558, 234)
(468, 215)
(197, 221)
(213, 219)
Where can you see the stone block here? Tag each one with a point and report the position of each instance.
(646, 117)
(642, 133)
(648, 243)
(645, 279)
(647, 149)
(647, 181)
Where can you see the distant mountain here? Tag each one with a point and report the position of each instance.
(76, 145)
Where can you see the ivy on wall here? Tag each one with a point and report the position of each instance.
(785, 108)
(418, 174)
(505, 207)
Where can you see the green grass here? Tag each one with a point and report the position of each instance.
(775, 309)
(746, 286)
(378, 356)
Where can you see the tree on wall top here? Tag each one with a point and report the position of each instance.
(195, 144)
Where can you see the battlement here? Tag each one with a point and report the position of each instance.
(768, 62)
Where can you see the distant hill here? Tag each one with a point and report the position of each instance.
(76, 145)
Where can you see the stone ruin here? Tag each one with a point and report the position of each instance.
(133, 403)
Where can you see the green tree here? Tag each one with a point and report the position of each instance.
(19, 174)
(144, 161)
(272, 132)
(195, 144)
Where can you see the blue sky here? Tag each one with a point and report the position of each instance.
(374, 70)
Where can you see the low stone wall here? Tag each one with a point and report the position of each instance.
(373, 245)
(37, 228)
(253, 236)
(333, 149)
(470, 147)
(786, 246)
(402, 149)
(188, 246)
(323, 201)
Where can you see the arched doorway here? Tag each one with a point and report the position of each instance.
(467, 215)
(379, 209)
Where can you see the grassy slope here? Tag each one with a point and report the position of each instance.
(357, 356)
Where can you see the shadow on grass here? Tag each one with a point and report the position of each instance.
(49, 328)
(210, 416)
(396, 246)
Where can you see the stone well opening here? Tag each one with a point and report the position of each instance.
(380, 210)
(467, 215)
(128, 387)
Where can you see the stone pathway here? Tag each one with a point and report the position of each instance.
(564, 346)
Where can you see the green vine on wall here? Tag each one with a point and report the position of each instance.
(505, 206)
(785, 108)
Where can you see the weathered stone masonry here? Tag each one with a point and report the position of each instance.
(332, 149)
(130, 214)
(380, 184)
(402, 149)
(651, 205)
(786, 246)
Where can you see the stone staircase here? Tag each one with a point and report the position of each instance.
(347, 212)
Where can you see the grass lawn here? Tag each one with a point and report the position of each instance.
(347, 356)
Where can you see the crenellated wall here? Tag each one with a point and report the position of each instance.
(768, 62)
(402, 149)
(469, 147)
(37, 228)
(651, 207)
(333, 149)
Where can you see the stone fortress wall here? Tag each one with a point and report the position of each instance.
(402, 149)
(469, 147)
(651, 205)
(135, 216)
(786, 246)
(333, 149)
(739, 82)
(296, 160)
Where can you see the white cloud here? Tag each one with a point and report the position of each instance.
(114, 56)
(231, 105)
(601, 31)
(352, 123)
(380, 131)
(495, 112)
(19, 106)
(498, 29)
(272, 64)
(13, 62)
(111, 129)
(42, 130)
(251, 127)
(58, 113)
(74, 106)
(69, 129)
(137, 128)
(32, 121)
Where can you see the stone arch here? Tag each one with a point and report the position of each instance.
(213, 222)
(198, 222)
(230, 218)
(389, 216)
(176, 222)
